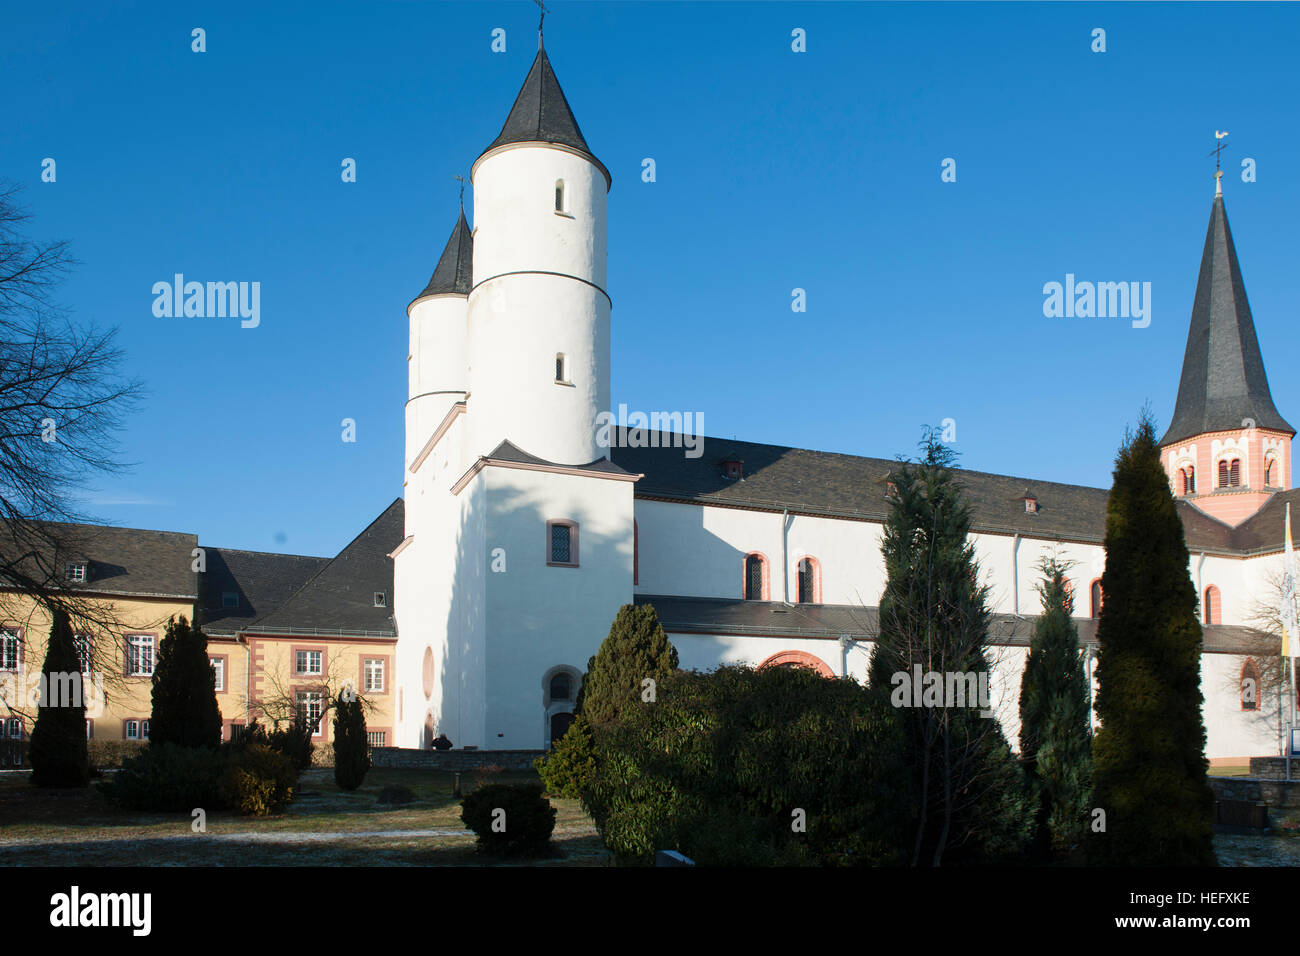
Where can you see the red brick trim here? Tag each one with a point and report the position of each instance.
(361, 675)
(573, 543)
(799, 659)
(1211, 606)
(744, 576)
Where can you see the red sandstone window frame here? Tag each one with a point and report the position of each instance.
(1211, 606)
(764, 565)
(573, 543)
(1096, 599)
(816, 567)
(385, 670)
(296, 649)
(798, 659)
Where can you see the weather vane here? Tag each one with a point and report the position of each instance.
(462, 180)
(1218, 172)
(541, 20)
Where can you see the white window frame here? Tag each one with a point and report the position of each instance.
(10, 637)
(137, 643)
(131, 730)
(374, 687)
(306, 657)
(218, 665)
(309, 697)
(75, 573)
(83, 645)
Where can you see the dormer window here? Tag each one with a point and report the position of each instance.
(733, 469)
(891, 490)
(381, 599)
(1031, 504)
(75, 573)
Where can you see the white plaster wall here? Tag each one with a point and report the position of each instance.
(538, 616)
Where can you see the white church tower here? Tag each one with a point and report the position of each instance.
(519, 530)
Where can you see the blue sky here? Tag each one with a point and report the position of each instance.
(775, 170)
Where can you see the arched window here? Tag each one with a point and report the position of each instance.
(1249, 685)
(1270, 472)
(1189, 480)
(1096, 598)
(755, 577)
(1211, 604)
(1234, 472)
(808, 582)
(798, 659)
(559, 196)
(561, 687)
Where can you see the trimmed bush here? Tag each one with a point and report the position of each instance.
(569, 768)
(167, 778)
(259, 780)
(510, 819)
(351, 753)
(754, 767)
(57, 751)
(396, 793)
(112, 753)
(294, 742)
(185, 708)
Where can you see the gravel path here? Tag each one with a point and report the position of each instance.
(284, 837)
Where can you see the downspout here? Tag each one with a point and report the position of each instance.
(1015, 575)
(785, 561)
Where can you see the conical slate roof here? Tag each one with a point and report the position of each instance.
(541, 114)
(455, 269)
(1223, 383)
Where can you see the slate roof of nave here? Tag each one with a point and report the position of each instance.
(695, 615)
(777, 477)
(263, 581)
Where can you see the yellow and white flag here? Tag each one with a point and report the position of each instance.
(1290, 625)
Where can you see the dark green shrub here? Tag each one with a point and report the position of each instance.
(259, 780)
(726, 767)
(165, 778)
(112, 753)
(510, 819)
(351, 752)
(441, 742)
(569, 768)
(184, 690)
(294, 741)
(57, 751)
(636, 649)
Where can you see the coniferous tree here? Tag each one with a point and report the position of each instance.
(972, 802)
(185, 708)
(1149, 766)
(351, 752)
(1055, 727)
(58, 752)
(636, 650)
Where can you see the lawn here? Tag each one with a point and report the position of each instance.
(323, 826)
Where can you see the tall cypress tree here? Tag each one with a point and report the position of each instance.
(636, 649)
(1149, 755)
(1055, 730)
(185, 708)
(934, 615)
(351, 751)
(58, 750)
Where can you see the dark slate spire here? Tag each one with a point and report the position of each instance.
(541, 114)
(1223, 379)
(454, 270)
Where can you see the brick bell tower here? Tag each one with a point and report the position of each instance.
(1227, 449)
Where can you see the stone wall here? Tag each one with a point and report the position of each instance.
(1281, 797)
(399, 757)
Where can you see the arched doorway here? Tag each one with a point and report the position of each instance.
(799, 659)
(560, 726)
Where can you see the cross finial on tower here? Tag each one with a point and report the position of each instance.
(462, 180)
(1218, 172)
(541, 20)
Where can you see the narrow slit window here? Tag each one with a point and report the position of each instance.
(561, 368)
(559, 196)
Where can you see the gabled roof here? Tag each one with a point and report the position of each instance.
(541, 114)
(119, 561)
(454, 272)
(261, 580)
(339, 598)
(850, 486)
(1223, 382)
